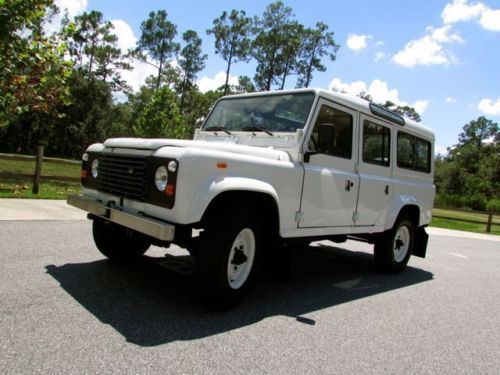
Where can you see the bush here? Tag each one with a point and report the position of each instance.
(449, 200)
(475, 202)
(494, 205)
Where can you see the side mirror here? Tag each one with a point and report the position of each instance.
(326, 136)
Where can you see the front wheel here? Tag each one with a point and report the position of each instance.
(227, 257)
(117, 242)
(394, 248)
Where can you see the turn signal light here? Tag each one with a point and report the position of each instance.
(222, 165)
(170, 190)
(84, 173)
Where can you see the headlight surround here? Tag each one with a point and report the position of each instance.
(161, 178)
(94, 168)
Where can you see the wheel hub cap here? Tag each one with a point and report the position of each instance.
(401, 244)
(241, 258)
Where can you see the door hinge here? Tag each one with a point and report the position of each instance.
(355, 216)
(299, 216)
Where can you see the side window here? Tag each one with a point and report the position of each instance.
(376, 144)
(414, 153)
(342, 123)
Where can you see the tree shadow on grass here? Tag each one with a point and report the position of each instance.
(154, 301)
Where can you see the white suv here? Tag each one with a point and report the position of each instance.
(265, 169)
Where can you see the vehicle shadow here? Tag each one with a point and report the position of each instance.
(154, 301)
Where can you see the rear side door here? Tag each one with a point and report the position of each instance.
(331, 182)
(375, 170)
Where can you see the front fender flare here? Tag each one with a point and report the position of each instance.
(215, 186)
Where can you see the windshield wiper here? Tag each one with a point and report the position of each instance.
(217, 129)
(256, 128)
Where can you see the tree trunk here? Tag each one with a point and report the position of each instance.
(160, 69)
(226, 87)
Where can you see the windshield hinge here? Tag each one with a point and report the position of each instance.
(299, 216)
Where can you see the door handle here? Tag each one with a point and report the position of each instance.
(348, 185)
(386, 190)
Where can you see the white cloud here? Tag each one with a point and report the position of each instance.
(488, 107)
(379, 56)
(429, 49)
(125, 35)
(378, 90)
(490, 20)
(140, 70)
(71, 7)
(451, 99)
(463, 11)
(421, 105)
(213, 83)
(444, 34)
(440, 150)
(357, 42)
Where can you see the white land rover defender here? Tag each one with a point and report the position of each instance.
(265, 169)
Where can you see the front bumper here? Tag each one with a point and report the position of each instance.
(146, 225)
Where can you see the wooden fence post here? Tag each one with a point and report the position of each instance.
(38, 169)
(490, 219)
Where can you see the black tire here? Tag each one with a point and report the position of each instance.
(118, 243)
(227, 257)
(394, 247)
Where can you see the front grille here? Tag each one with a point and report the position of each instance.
(124, 176)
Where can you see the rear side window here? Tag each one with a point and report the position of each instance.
(376, 144)
(414, 153)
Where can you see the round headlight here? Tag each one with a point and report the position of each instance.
(85, 157)
(172, 166)
(94, 168)
(161, 178)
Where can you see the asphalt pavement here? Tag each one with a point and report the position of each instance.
(65, 309)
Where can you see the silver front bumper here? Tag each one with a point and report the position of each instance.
(152, 227)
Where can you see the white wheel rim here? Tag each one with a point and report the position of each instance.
(241, 257)
(401, 243)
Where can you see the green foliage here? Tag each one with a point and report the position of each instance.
(494, 205)
(192, 61)
(157, 41)
(94, 51)
(33, 72)
(67, 104)
(469, 175)
(232, 38)
(161, 117)
(316, 43)
(271, 35)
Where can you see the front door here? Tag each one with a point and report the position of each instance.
(331, 182)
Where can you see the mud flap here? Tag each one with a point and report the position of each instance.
(420, 245)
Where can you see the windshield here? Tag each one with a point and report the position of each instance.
(270, 113)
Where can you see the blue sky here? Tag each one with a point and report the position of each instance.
(442, 57)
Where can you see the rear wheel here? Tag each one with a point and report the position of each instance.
(394, 248)
(227, 257)
(117, 242)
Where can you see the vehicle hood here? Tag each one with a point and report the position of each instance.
(156, 144)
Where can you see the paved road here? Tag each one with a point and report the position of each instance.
(66, 309)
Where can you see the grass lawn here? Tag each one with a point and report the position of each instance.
(14, 188)
(47, 189)
(449, 221)
(48, 168)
